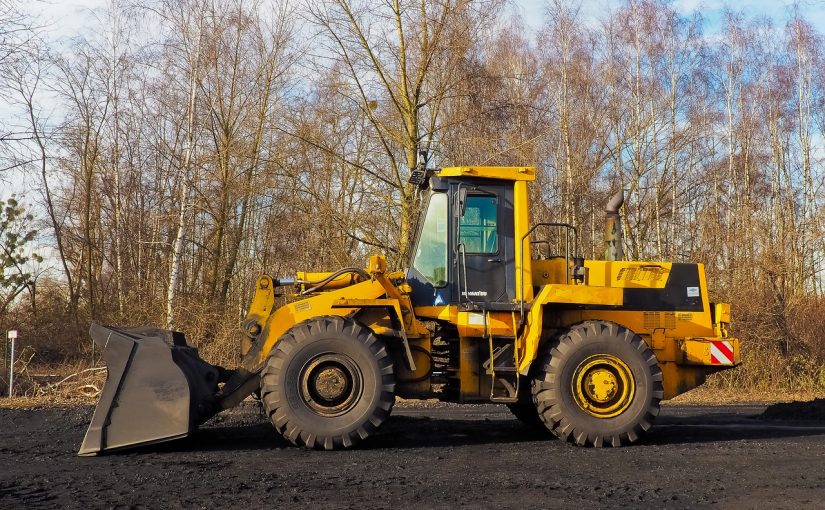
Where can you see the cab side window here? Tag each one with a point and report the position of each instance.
(478, 228)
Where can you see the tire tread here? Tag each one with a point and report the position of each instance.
(273, 397)
(545, 386)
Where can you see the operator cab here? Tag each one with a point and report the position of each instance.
(464, 252)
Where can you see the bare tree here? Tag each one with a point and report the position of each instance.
(398, 58)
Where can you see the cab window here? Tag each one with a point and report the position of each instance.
(431, 254)
(478, 228)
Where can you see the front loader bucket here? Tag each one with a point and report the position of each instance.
(157, 389)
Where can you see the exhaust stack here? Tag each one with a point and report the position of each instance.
(613, 228)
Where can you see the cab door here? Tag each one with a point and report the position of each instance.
(483, 244)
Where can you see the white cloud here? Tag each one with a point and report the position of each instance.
(68, 19)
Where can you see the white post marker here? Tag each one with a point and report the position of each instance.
(12, 336)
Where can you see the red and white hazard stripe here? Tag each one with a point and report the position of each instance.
(721, 352)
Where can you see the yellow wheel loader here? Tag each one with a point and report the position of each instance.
(492, 309)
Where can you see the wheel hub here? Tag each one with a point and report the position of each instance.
(603, 386)
(600, 385)
(330, 384)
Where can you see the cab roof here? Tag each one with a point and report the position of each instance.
(510, 173)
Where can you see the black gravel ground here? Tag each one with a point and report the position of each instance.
(427, 456)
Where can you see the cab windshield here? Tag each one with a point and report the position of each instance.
(431, 253)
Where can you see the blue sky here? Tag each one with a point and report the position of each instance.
(813, 10)
(71, 17)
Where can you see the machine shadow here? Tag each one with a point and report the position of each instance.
(692, 433)
(400, 432)
(406, 432)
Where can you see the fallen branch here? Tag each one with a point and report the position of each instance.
(58, 383)
(70, 385)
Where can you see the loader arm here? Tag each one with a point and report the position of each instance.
(377, 292)
(159, 389)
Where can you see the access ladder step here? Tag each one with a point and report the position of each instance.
(502, 370)
(502, 356)
(504, 389)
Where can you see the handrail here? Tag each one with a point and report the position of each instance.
(569, 227)
(460, 263)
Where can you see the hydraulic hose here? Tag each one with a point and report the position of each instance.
(322, 283)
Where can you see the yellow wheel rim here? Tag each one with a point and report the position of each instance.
(603, 386)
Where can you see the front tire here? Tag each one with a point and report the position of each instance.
(598, 384)
(328, 384)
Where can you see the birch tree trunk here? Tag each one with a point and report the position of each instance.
(184, 174)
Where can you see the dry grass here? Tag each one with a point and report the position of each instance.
(72, 389)
(765, 371)
(41, 402)
(54, 386)
(777, 364)
(708, 396)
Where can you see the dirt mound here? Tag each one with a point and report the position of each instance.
(811, 410)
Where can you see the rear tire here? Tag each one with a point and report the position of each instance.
(328, 384)
(525, 410)
(598, 384)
